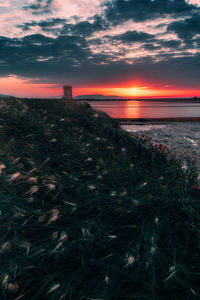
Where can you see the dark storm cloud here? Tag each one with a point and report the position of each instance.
(147, 41)
(69, 55)
(197, 43)
(119, 11)
(68, 58)
(96, 42)
(133, 36)
(40, 7)
(159, 44)
(170, 44)
(151, 47)
(34, 54)
(186, 29)
(172, 71)
(46, 25)
(84, 28)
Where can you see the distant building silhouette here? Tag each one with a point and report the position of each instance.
(67, 93)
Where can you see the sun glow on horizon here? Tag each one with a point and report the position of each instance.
(19, 87)
(133, 90)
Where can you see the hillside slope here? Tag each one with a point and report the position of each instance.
(90, 212)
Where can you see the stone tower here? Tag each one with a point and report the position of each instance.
(67, 93)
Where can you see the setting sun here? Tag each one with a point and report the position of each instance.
(133, 90)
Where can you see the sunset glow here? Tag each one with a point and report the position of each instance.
(24, 88)
(129, 49)
(133, 91)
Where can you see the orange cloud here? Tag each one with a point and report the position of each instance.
(17, 87)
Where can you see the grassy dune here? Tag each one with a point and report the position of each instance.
(90, 212)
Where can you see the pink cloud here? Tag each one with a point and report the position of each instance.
(193, 2)
(81, 8)
(15, 86)
(5, 3)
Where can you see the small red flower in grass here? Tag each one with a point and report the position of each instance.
(196, 188)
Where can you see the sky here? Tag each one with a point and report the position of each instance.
(126, 48)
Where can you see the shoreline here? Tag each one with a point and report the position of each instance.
(132, 121)
(183, 138)
(58, 99)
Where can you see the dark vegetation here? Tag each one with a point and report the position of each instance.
(90, 212)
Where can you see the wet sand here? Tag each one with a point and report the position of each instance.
(181, 137)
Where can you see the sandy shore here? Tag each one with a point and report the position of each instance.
(181, 137)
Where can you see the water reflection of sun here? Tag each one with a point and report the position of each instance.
(132, 109)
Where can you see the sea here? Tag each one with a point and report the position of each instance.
(145, 109)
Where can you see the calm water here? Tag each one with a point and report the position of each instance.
(146, 109)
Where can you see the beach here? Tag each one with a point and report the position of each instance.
(181, 137)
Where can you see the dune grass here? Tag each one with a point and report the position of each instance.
(90, 212)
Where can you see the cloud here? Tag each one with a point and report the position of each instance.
(62, 26)
(194, 2)
(133, 36)
(170, 44)
(68, 58)
(65, 8)
(36, 54)
(96, 42)
(85, 28)
(119, 11)
(52, 25)
(40, 6)
(163, 44)
(5, 3)
(187, 28)
(151, 47)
